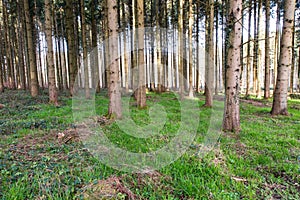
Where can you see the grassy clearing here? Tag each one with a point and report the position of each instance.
(42, 157)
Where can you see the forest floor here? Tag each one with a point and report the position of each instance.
(42, 155)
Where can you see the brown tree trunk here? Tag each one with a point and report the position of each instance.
(72, 52)
(180, 47)
(267, 52)
(85, 53)
(277, 44)
(231, 121)
(8, 55)
(50, 60)
(141, 101)
(248, 50)
(191, 23)
(285, 60)
(31, 52)
(209, 60)
(95, 61)
(115, 108)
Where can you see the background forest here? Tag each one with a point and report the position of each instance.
(238, 60)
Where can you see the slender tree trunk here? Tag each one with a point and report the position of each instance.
(95, 61)
(31, 52)
(21, 47)
(259, 51)
(126, 60)
(209, 61)
(191, 23)
(64, 63)
(277, 44)
(180, 46)
(85, 52)
(7, 40)
(114, 109)
(293, 63)
(267, 52)
(50, 60)
(248, 50)
(285, 60)
(141, 101)
(231, 120)
(72, 52)
(197, 50)
(216, 51)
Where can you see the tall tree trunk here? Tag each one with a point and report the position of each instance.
(231, 121)
(95, 61)
(248, 50)
(267, 52)
(292, 77)
(180, 47)
(31, 52)
(21, 46)
(259, 51)
(277, 44)
(1, 52)
(255, 47)
(7, 40)
(141, 101)
(124, 24)
(285, 60)
(216, 50)
(85, 52)
(114, 109)
(197, 49)
(209, 60)
(191, 23)
(50, 60)
(72, 52)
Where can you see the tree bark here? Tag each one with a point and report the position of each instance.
(31, 52)
(180, 46)
(191, 23)
(248, 50)
(141, 101)
(231, 121)
(209, 60)
(72, 52)
(267, 52)
(285, 60)
(85, 52)
(50, 60)
(114, 109)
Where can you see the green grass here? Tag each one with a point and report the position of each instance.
(262, 162)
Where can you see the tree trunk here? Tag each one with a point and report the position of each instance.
(267, 52)
(114, 109)
(95, 61)
(50, 60)
(31, 52)
(216, 51)
(292, 77)
(180, 46)
(191, 23)
(285, 60)
(231, 121)
(248, 50)
(209, 60)
(277, 44)
(85, 52)
(21, 46)
(72, 52)
(141, 101)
